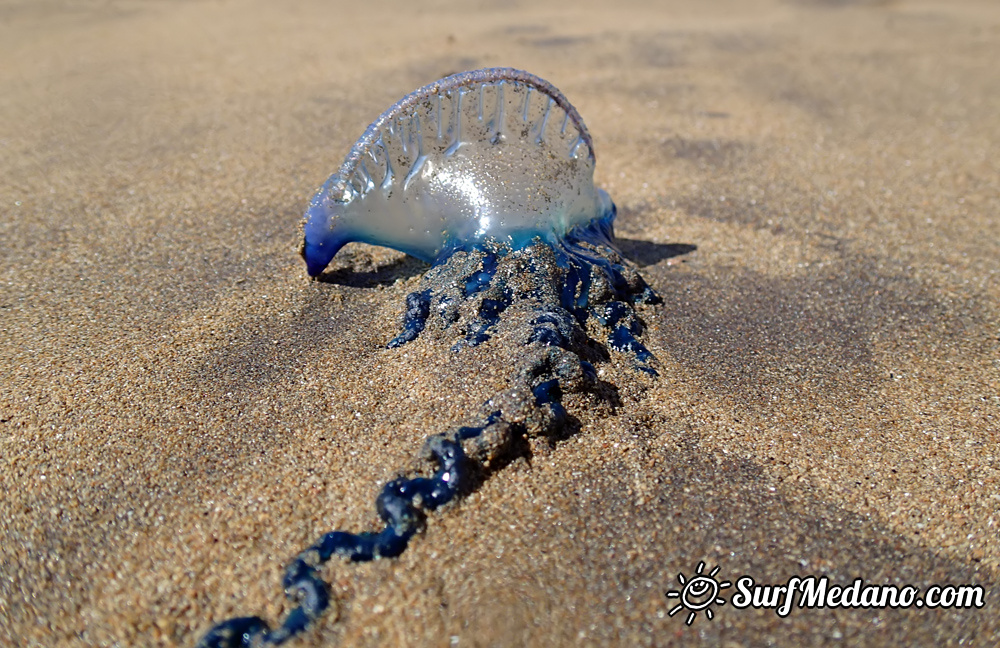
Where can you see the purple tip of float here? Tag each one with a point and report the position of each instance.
(320, 243)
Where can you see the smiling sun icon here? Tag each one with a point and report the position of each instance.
(699, 593)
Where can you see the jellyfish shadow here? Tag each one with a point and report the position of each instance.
(402, 268)
(647, 253)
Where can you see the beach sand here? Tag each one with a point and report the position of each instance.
(812, 188)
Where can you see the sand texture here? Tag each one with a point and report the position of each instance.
(812, 187)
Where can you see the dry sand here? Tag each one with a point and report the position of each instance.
(181, 411)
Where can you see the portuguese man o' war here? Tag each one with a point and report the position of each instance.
(495, 154)
(488, 176)
(495, 158)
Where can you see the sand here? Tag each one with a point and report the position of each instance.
(812, 187)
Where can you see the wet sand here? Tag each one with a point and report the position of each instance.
(812, 187)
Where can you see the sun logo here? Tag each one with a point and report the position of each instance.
(699, 593)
